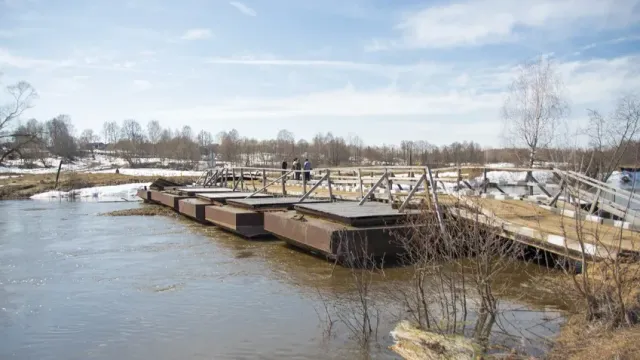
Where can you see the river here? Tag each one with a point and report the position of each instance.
(76, 285)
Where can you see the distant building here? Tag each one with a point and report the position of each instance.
(97, 146)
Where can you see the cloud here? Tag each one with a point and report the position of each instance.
(141, 85)
(7, 34)
(243, 8)
(7, 59)
(390, 70)
(472, 96)
(475, 23)
(196, 34)
(92, 58)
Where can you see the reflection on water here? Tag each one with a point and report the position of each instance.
(74, 285)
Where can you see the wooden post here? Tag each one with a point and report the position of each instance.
(595, 202)
(556, 196)
(58, 174)
(373, 188)
(264, 188)
(360, 182)
(304, 181)
(427, 185)
(411, 193)
(306, 194)
(459, 178)
(241, 179)
(233, 175)
(435, 203)
(284, 186)
(485, 181)
(389, 185)
(264, 179)
(329, 183)
(527, 179)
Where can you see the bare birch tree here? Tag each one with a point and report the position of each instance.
(611, 137)
(534, 107)
(20, 98)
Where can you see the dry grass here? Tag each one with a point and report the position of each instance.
(580, 339)
(25, 186)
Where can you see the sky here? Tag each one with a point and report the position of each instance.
(384, 70)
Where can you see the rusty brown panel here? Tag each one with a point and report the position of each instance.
(220, 215)
(156, 196)
(187, 208)
(194, 208)
(144, 194)
(173, 200)
(309, 233)
(243, 222)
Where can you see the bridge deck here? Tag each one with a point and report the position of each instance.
(546, 222)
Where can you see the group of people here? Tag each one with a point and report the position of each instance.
(297, 166)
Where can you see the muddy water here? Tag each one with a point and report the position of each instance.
(75, 285)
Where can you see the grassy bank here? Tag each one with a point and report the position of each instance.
(612, 329)
(580, 339)
(26, 186)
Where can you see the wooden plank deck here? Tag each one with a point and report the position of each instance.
(530, 215)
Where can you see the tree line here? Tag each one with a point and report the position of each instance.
(533, 113)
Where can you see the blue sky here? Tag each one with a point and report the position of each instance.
(384, 70)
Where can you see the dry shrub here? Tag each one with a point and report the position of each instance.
(455, 264)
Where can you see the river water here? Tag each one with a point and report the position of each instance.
(76, 285)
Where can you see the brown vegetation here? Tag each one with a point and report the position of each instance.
(143, 210)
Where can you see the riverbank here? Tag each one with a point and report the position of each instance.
(613, 330)
(14, 187)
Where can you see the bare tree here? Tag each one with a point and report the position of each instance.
(30, 138)
(229, 144)
(534, 107)
(21, 96)
(286, 144)
(611, 137)
(60, 137)
(154, 131)
(131, 140)
(87, 138)
(355, 144)
(111, 132)
(205, 140)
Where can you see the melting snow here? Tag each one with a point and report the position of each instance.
(98, 193)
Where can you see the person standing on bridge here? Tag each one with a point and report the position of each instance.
(296, 167)
(307, 170)
(284, 167)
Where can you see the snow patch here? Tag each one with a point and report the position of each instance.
(98, 193)
(149, 172)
